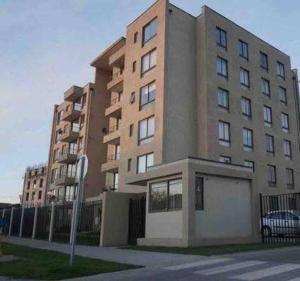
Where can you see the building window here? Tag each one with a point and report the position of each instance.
(32, 196)
(131, 130)
(199, 190)
(145, 162)
(290, 177)
(224, 133)
(148, 61)
(149, 31)
(249, 164)
(282, 95)
(41, 183)
(166, 196)
(222, 67)
(285, 122)
(244, 77)
(146, 130)
(264, 61)
(271, 174)
(243, 47)
(135, 37)
(27, 196)
(280, 70)
(28, 184)
(133, 66)
(246, 107)
(247, 139)
(267, 116)
(40, 195)
(34, 184)
(265, 87)
(270, 144)
(221, 37)
(147, 95)
(132, 98)
(223, 99)
(225, 159)
(129, 165)
(287, 149)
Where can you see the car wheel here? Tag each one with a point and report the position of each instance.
(267, 231)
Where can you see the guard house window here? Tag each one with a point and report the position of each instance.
(247, 139)
(287, 149)
(244, 77)
(149, 31)
(223, 99)
(285, 122)
(166, 196)
(146, 130)
(271, 174)
(270, 144)
(225, 159)
(280, 70)
(199, 190)
(246, 107)
(249, 164)
(224, 133)
(282, 95)
(267, 116)
(148, 61)
(265, 87)
(147, 95)
(264, 64)
(290, 177)
(243, 47)
(222, 67)
(221, 37)
(144, 162)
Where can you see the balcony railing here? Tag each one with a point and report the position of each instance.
(68, 156)
(65, 179)
(116, 84)
(113, 157)
(70, 133)
(73, 112)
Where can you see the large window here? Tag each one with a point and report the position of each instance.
(285, 122)
(147, 95)
(223, 99)
(290, 177)
(287, 149)
(146, 130)
(166, 196)
(282, 95)
(267, 116)
(246, 107)
(149, 31)
(265, 87)
(280, 70)
(221, 37)
(271, 174)
(243, 47)
(148, 61)
(224, 133)
(144, 162)
(247, 139)
(270, 144)
(222, 67)
(244, 77)
(264, 61)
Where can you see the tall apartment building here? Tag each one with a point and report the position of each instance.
(76, 130)
(34, 186)
(205, 90)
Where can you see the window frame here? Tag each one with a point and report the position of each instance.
(144, 42)
(268, 123)
(246, 146)
(290, 185)
(148, 138)
(285, 116)
(288, 144)
(222, 61)
(244, 70)
(264, 55)
(247, 100)
(280, 66)
(265, 82)
(226, 92)
(146, 167)
(224, 142)
(149, 67)
(242, 49)
(250, 161)
(227, 159)
(219, 37)
(271, 181)
(272, 151)
(142, 106)
(282, 90)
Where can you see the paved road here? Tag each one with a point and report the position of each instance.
(271, 265)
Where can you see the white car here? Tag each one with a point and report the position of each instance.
(281, 222)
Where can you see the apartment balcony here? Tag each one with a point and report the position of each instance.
(112, 164)
(70, 134)
(64, 180)
(113, 135)
(116, 84)
(67, 157)
(117, 58)
(73, 93)
(114, 110)
(73, 112)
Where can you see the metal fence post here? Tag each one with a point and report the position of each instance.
(51, 222)
(34, 222)
(21, 222)
(72, 220)
(11, 220)
(3, 213)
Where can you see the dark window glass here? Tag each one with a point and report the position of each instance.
(149, 31)
(264, 61)
(221, 37)
(222, 67)
(243, 47)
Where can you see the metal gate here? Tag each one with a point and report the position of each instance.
(280, 218)
(62, 222)
(43, 223)
(137, 215)
(28, 222)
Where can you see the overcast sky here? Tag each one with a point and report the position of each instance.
(46, 46)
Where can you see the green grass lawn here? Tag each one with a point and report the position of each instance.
(50, 265)
(210, 250)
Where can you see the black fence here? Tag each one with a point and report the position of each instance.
(16, 222)
(280, 218)
(28, 219)
(62, 222)
(43, 223)
(7, 214)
